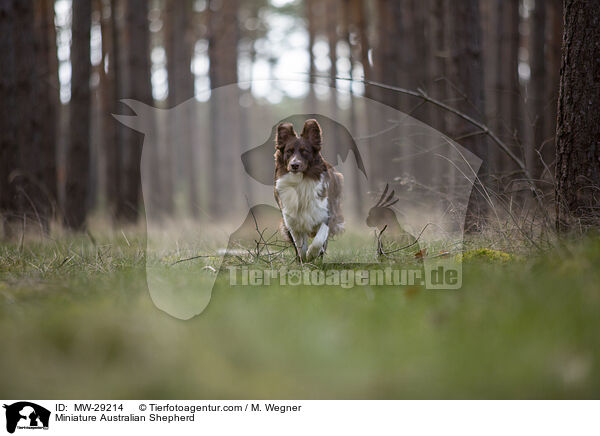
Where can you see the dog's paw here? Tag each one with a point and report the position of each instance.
(313, 251)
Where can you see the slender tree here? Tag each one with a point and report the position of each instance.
(387, 60)
(414, 54)
(137, 86)
(489, 20)
(332, 18)
(465, 74)
(554, 42)
(49, 103)
(109, 97)
(578, 129)
(310, 25)
(438, 57)
(78, 156)
(437, 29)
(179, 45)
(8, 120)
(29, 176)
(359, 14)
(222, 51)
(508, 87)
(350, 27)
(539, 91)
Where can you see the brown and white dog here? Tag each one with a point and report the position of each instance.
(308, 190)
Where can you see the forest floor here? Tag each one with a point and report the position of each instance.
(76, 321)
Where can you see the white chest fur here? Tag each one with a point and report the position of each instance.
(303, 204)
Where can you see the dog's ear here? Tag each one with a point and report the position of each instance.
(312, 133)
(285, 131)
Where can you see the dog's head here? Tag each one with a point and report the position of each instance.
(298, 153)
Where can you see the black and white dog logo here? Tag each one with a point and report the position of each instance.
(26, 415)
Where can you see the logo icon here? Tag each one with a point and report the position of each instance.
(26, 415)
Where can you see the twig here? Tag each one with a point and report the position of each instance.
(385, 253)
(379, 243)
(192, 258)
(126, 240)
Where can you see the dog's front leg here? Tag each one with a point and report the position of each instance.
(300, 242)
(319, 242)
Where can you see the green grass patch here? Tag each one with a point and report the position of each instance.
(76, 321)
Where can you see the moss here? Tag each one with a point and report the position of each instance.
(486, 255)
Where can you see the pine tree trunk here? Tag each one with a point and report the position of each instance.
(359, 17)
(137, 87)
(508, 87)
(465, 73)
(388, 60)
(78, 155)
(179, 45)
(489, 20)
(311, 100)
(539, 104)
(49, 100)
(33, 200)
(554, 59)
(111, 145)
(349, 26)
(578, 129)
(332, 20)
(439, 53)
(8, 120)
(414, 55)
(223, 42)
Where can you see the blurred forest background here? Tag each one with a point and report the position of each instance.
(66, 64)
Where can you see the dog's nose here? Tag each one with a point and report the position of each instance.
(295, 166)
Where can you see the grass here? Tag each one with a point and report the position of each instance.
(76, 321)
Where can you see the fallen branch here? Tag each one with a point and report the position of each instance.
(194, 257)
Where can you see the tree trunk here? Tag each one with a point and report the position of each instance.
(78, 155)
(414, 54)
(491, 66)
(137, 87)
(439, 53)
(352, 116)
(222, 51)
(388, 61)
(359, 17)
(332, 20)
(8, 117)
(32, 198)
(49, 99)
(310, 106)
(179, 45)
(111, 138)
(554, 59)
(539, 103)
(578, 129)
(465, 73)
(508, 87)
